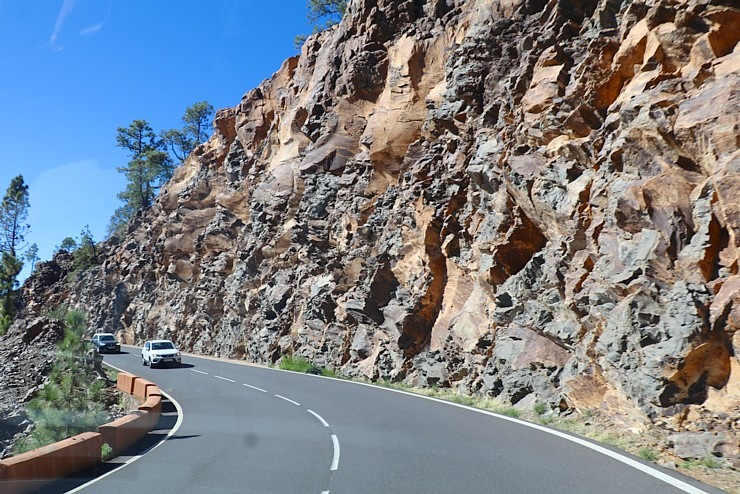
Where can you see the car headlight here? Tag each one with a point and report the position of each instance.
(178, 354)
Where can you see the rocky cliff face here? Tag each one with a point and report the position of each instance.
(526, 199)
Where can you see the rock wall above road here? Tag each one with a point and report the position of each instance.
(534, 200)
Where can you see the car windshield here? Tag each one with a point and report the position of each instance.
(162, 345)
(107, 337)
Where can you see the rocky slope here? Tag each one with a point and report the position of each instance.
(532, 200)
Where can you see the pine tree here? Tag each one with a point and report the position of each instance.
(330, 11)
(86, 254)
(10, 268)
(145, 174)
(13, 214)
(71, 399)
(196, 120)
(68, 244)
(13, 231)
(32, 255)
(137, 138)
(149, 168)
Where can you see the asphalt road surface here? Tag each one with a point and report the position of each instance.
(246, 429)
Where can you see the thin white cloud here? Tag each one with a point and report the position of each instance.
(92, 30)
(67, 7)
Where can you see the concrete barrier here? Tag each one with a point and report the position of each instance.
(140, 388)
(28, 471)
(125, 382)
(153, 407)
(24, 473)
(153, 391)
(124, 432)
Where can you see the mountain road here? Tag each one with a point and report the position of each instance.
(251, 429)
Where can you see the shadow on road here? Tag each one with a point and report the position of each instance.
(170, 367)
(165, 424)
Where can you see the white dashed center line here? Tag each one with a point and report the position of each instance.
(288, 400)
(318, 417)
(255, 387)
(335, 460)
(225, 379)
(199, 372)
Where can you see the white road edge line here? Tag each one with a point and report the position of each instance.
(646, 469)
(224, 379)
(178, 423)
(254, 387)
(324, 492)
(335, 460)
(199, 371)
(288, 400)
(318, 417)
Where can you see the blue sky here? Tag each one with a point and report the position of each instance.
(72, 71)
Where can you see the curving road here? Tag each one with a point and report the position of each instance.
(249, 429)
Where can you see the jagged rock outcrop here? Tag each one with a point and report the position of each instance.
(528, 199)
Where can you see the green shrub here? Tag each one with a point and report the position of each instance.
(297, 364)
(540, 408)
(106, 452)
(710, 462)
(648, 454)
(5, 322)
(326, 372)
(546, 420)
(464, 400)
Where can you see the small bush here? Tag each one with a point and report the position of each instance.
(326, 372)
(510, 412)
(315, 370)
(5, 322)
(464, 400)
(23, 445)
(648, 454)
(710, 462)
(106, 452)
(296, 364)
(112, 374)
(540, 408)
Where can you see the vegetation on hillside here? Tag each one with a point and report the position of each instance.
(13, 231)
(154, 158)
(72, 400)
(195, 130)
(84, 252)
(322, 14)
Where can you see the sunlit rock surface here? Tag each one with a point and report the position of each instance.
(538, 201)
